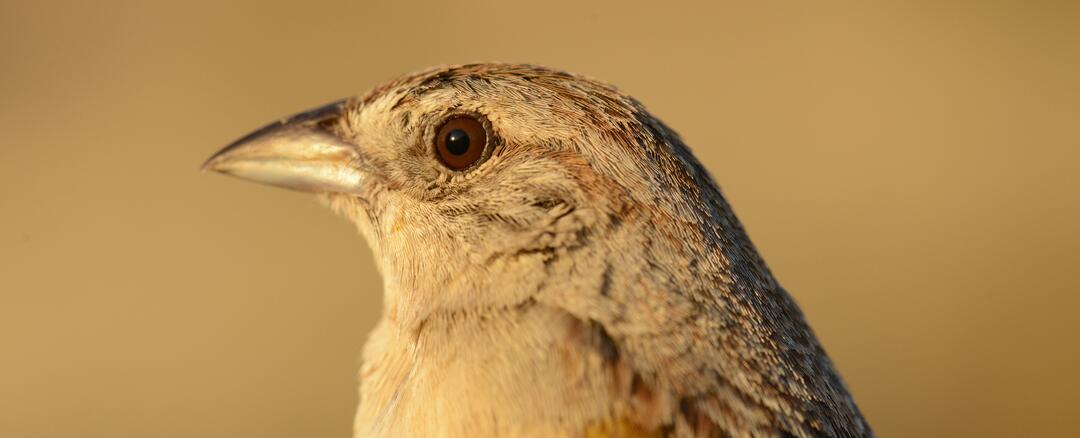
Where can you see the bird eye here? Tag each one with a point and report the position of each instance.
(460, 142)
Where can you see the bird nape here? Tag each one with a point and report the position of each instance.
(556, 262)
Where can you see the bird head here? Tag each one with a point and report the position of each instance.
(473, 183)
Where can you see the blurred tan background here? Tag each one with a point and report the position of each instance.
(908, 170)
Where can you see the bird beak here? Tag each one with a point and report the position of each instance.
(300, 153)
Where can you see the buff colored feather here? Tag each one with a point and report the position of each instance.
(586, 278)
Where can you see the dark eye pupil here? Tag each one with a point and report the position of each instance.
(457, 142)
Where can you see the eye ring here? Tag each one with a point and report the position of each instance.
(461, 142)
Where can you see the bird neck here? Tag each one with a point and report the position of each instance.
(467, 372)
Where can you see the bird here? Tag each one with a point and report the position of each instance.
(555, 263)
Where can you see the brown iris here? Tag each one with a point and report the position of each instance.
(460, 142)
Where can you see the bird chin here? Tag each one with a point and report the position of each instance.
(358, 210)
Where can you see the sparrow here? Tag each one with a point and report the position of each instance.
(555, 263)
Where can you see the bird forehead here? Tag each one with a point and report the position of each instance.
(536, 107)
(504, 86)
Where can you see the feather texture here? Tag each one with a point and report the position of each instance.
(587, 279)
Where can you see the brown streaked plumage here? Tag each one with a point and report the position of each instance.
(585, 277)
